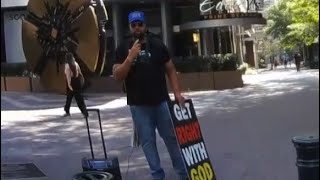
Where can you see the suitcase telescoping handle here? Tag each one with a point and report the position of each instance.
(101, 132)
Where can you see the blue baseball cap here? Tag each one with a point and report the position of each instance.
(136, 16)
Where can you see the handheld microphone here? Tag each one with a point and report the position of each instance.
(139, 37)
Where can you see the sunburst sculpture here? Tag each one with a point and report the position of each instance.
(53, 27)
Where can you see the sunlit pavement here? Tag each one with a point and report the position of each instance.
(247, 130)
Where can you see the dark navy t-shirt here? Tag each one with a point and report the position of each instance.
(146, 80)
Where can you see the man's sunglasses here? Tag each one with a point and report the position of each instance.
(139, 24)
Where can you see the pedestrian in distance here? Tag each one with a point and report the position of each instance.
(297, 58)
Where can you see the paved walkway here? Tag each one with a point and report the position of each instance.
(247, 130)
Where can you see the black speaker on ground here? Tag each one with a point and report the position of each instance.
(106, 164)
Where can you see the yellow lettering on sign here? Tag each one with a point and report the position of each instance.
(202, 172)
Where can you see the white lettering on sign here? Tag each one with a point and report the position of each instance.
(230, 5)
(208, 5)
(194, 154)
(182, 113)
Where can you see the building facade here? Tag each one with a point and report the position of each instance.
(187, 27)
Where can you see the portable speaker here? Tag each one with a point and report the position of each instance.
(110, 165)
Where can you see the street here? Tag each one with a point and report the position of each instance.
(247, 130)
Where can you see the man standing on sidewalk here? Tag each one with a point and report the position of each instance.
(142, 62)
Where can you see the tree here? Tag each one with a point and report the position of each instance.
(271, 47)
(305, 20)
(294, 22)
(278, 20)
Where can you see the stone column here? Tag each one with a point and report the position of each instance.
(166, 24)
(256, 57)
(239, 43)
(116, 22)
(204, 43)
(207, 41)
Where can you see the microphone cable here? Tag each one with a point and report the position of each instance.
(128, 163)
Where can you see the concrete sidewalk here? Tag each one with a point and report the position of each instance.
(247, 130)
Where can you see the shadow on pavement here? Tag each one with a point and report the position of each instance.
(247, 132)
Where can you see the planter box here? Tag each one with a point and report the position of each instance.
(36, 85)
(189, 81)
(194, 81)
(206, 81)
(227, 80)
(19, 84)
(53, 81)
(3, 86)
(104, 85)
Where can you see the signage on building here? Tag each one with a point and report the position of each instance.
(191, 142)
(231, 15)
(223, 9)
(15, 16)
(13, 36)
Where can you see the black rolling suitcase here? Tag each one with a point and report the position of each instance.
(110, 165)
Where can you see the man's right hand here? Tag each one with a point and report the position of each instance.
(134, 51)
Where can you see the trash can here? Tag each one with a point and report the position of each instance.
(307, 148)
(96, 175)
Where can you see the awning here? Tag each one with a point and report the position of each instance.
(222, 22)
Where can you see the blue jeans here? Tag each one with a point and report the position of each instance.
(147, 119)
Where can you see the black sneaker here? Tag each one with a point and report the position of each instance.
(66, 115)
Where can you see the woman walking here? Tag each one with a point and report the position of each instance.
(75, 81)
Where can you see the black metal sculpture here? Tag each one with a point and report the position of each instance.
(56, 31)
(53, 27)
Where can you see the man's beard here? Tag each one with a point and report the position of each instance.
(139, 36)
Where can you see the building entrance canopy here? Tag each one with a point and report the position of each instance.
(203, 24)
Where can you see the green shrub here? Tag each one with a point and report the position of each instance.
(191, 64)
(229, 62)
(13, 69)
(216, 62)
